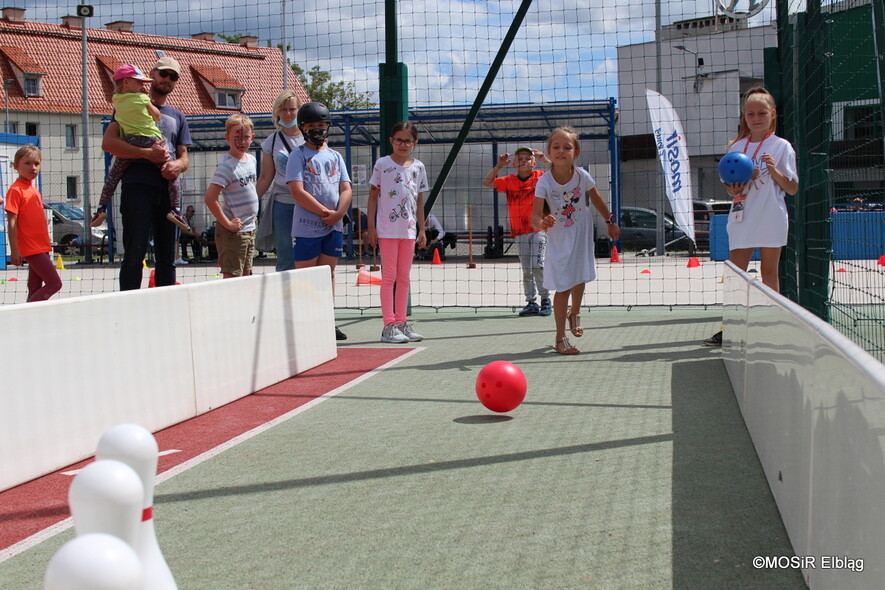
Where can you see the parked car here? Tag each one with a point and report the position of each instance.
(703, 211)
(67, 229)
(639, 231)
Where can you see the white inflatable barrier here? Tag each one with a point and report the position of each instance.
(71, 369)
(814, 404)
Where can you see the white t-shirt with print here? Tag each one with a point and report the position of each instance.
(237, 181)
(764, 223)
(322, 173)
(395, 216)
(569, 259)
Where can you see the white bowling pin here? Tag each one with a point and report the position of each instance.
(106, 497)
(95, 561)
(137, 447)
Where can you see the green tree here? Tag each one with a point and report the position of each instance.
(231, 38)
(337, 96)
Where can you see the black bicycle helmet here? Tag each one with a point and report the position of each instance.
(314, 112)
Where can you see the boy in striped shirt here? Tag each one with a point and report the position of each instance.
(234, 179)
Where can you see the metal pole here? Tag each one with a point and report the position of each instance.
(393, 83)
(87, 205)
(284, 45)
(659, 248)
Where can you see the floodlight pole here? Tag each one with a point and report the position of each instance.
(87, 204)
(697, 66)
(393, 93)
(284, 44)
(659, 225)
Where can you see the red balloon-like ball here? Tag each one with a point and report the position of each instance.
(501, 386)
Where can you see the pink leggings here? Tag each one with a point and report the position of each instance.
(43, 279)
(396, 263)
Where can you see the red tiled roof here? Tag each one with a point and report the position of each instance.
(217, 77)
(55, 51)
(21, 60)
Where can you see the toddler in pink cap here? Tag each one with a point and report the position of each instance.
(138, 119)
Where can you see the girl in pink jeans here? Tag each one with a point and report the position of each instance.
(396, 220)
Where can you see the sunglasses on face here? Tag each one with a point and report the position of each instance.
(168, 74)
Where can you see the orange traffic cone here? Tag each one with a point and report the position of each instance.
(693, 262)
(615, 256)
(436, 259)
(645, 272)
(841, 270)
(364, 277)
(882, 260)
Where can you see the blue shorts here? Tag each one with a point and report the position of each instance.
(331, 244)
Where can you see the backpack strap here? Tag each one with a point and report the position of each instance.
(273, 143)
(285, 142)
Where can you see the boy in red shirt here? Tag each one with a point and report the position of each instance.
(28, 232)
(532, 243)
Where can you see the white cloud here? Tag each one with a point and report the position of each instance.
(564, 49)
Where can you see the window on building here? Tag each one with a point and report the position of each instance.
(32, 86)
(11, 127)
(227, 100)
(70, 136)
(72, 182)
(32, 129)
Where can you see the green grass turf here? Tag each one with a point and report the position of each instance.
(627, 466)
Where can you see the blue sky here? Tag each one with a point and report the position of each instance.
(565, 50)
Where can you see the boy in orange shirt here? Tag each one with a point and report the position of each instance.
(532, 243)
(28, 232)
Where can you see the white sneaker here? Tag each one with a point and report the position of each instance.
(179, 262)
(392, 335)
(409, 333)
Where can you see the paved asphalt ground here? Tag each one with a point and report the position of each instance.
(627, 466)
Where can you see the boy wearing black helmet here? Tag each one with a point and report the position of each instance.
(319, 182)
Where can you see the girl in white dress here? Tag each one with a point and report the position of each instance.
(396, 221)
(763, 221)
(758, 217)
(566, 191)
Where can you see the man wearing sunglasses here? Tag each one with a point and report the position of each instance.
(144, 194)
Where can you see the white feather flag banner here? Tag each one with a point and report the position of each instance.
(673, 154)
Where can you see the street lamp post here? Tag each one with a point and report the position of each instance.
(85, 11)
(698, 63)
(660, 241)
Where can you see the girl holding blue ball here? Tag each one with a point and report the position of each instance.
(758, 216)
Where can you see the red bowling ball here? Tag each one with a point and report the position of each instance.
(501, 386)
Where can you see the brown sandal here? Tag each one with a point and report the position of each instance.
(563, 346)
(574, 324)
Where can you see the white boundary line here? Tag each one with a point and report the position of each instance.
(65, 524)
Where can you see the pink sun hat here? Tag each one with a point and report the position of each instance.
(130, 71)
